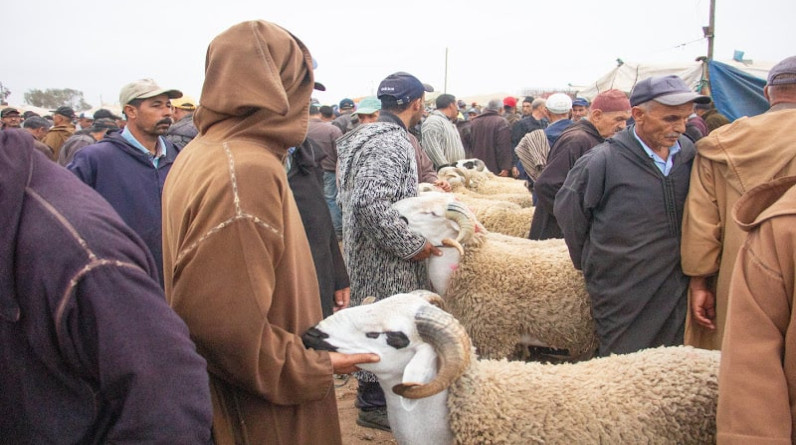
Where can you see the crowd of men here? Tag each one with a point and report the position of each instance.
(159, 268)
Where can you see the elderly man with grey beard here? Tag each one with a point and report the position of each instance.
(440, 139)
(490, 139)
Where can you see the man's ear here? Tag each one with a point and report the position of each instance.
(637, 113)
(129, 111)
(595, 115)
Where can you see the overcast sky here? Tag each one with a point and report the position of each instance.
(504, 45)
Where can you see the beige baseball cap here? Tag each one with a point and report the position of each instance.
(184, 103)
(144, 89)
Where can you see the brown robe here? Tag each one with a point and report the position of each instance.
(238, 267)
(729, 162)
(757, 376)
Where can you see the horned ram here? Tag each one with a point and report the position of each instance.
(438, 392)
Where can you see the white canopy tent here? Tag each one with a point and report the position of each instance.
(625, 75)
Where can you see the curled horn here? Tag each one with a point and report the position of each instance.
(459, 214)
(452, 345)
(465, 174)
(431, 297)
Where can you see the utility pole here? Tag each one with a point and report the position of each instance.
(710, 30)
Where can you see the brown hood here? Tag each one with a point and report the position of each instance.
(751, 154)
(765, 201)
(258, 82)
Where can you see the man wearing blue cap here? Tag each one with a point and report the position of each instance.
(377, 168)
(620, 210)
(580, 108)
(347, 120)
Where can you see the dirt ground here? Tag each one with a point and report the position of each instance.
(354, 434)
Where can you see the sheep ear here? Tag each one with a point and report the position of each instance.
(368, 300)
(422, 368)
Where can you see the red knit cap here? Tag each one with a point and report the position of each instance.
(611, 100)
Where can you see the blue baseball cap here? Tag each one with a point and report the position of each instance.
(580, 101)
(346, 104)
(404, 87)
(668, 90)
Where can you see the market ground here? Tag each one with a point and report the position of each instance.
(354, 434)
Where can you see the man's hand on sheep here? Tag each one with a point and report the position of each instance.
(342, 298)
(427, 251)
(443, 184)
(346, 363)
(503, 173)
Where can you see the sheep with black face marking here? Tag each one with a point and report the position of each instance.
(504, 290)
(438, 392)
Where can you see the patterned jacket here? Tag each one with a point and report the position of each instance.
(378, 168)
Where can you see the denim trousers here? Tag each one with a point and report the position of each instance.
(330, 194)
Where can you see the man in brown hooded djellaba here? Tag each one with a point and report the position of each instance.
(237, 264)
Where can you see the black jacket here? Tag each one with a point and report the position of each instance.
(621, 219)
(306, 181)
(570, 146)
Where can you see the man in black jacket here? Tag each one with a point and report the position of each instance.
(621, 209)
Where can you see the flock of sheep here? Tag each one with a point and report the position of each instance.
(503, 292)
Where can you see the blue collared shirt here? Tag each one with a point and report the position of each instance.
(155, 159)
(664, 166)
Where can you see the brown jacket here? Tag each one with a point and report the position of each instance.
(56, 137)
(757, 377)
(729, 162)
(237, 264)
(490, 141)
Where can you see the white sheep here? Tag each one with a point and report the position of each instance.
(437, 392)
(504, 290)
(497, 216)
(485, 183)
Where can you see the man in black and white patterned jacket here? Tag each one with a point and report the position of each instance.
(377, 168)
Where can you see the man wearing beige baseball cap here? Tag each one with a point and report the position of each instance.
(183, 130)
(129, 168)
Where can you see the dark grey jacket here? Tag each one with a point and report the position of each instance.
(621, 219)
(182, 132)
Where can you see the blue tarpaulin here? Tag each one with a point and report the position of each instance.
(735, 92)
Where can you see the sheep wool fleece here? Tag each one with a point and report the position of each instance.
(548, 298)
(655, 396)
